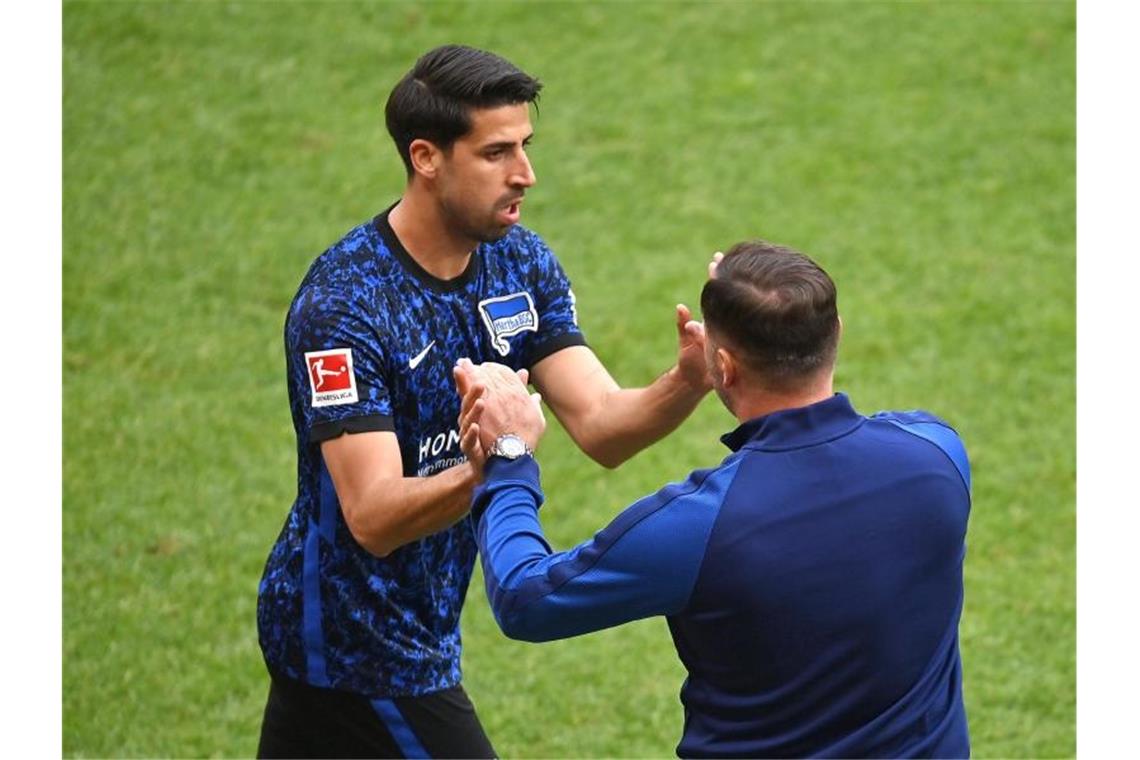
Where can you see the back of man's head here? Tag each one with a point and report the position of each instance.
(433, 100)
(775, 309)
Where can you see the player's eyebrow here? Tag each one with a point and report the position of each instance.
(503, 144)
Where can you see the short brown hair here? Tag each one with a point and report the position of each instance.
(776, 308)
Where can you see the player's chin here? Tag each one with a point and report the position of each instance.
(495, 233)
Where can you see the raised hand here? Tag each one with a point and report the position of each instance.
(713, 264)
(471, 406)
(691, 350)
(691, 341)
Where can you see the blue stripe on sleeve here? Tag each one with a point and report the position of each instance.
(643, 563)
(405, 737)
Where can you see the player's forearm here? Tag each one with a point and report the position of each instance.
(630, 419)
(396, 511)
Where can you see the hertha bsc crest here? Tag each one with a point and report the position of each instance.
(506, 316)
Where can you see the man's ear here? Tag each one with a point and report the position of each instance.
(426, 158)
(727, 366)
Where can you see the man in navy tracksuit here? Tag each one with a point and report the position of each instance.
(812, 581)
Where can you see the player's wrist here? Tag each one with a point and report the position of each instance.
(470, 474)
(510, 446)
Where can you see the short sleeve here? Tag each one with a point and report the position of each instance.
(337, 366)
(556, 307)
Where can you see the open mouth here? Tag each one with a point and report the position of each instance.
(511, 213)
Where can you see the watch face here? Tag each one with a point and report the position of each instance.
(510, 446)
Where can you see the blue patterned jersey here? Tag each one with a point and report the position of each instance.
(370, 342)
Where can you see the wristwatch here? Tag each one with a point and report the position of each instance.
(509, 446)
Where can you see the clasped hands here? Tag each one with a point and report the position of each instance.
(495, 402)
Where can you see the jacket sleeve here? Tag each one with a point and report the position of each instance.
(644, 563)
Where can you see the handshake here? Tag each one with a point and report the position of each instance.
(495, 403)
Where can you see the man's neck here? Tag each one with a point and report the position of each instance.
(426, 236)
(763, 402)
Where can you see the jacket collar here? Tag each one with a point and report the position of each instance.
(796, 428)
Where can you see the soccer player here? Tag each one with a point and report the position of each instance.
(358, 608)
(812, 581)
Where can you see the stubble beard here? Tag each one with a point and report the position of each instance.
(718, 386)
(724, 399)
(463, 224)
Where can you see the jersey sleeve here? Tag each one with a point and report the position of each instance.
(554, 302)
(643, 563)
(337, 366)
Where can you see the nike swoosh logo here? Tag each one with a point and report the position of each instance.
(415, 360)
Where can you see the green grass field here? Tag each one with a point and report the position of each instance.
(923, 153)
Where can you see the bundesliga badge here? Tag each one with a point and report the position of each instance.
(331, 377)
(506, 316)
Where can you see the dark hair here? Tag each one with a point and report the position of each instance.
(433, 100)
(776, 308)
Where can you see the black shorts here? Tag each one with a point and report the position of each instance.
(307, 721)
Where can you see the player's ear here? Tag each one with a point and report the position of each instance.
(425, 157)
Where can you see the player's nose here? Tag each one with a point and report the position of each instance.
(524, 173)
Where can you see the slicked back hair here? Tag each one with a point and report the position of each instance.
(434, 100)
(776, 309)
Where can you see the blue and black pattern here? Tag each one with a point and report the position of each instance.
(329, 612)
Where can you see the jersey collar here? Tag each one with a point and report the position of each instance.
(796, 428)
(393, 244)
